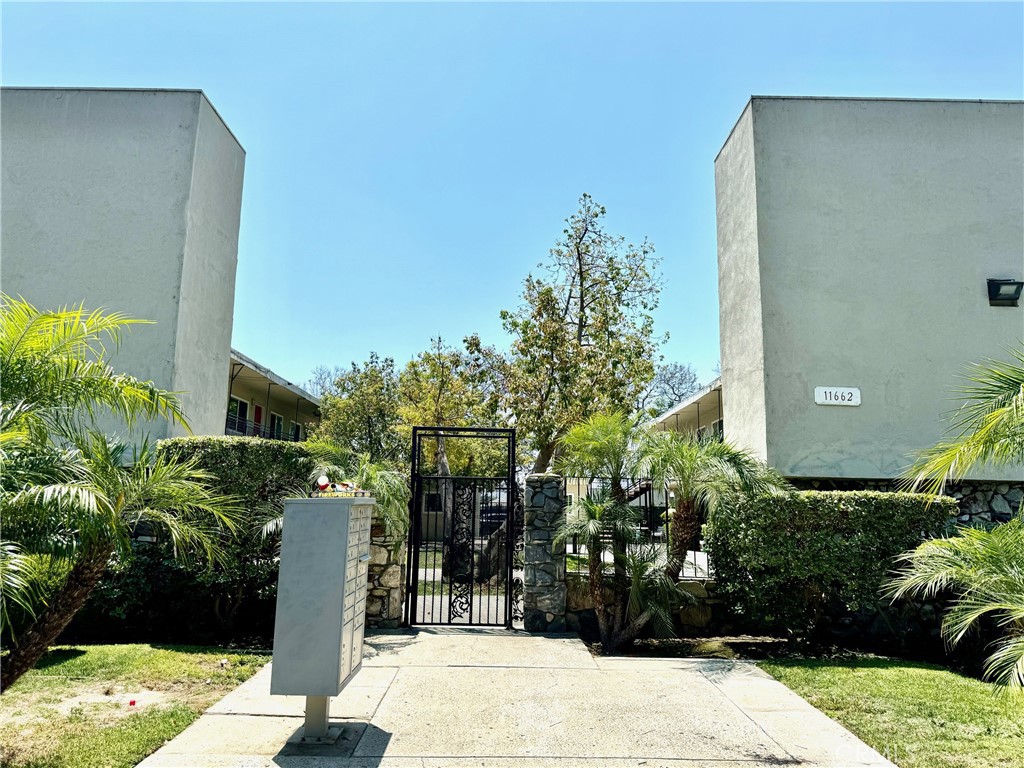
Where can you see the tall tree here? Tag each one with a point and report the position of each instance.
(672, 383)
(446, 387)
(359, 409)
(583, 338)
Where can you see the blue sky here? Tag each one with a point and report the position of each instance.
(407, 165)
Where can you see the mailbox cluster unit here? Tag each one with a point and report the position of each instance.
(321, 595)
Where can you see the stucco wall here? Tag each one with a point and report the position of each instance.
(739, 291)
(878, 223)
(128, 200)
(208, 274)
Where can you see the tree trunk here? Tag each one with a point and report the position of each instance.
(594, 566)
(543, 460)
(683, 533)
(628, 634)
(82, 579)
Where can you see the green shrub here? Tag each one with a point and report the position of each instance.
(794, 564)
(152, 597)
(261, 473)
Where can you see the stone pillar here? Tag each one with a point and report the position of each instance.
(544, 578)
(385, 598)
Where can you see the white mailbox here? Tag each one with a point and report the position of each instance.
(321, 601)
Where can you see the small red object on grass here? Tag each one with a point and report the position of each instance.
(131, 703)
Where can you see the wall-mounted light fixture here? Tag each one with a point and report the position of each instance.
(1004, 293)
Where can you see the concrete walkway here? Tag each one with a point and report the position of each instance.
(438, 698)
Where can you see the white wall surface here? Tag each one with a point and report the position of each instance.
(878, 223)
(739, 292)
(128, 200)
(208, 274)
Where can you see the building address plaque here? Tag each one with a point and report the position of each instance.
(837, 395)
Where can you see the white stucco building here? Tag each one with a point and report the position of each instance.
(856, 239)
(129, 200)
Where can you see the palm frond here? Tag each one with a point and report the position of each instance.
(984, 569)
(19, 576)
(988, 427)
(1005, 665)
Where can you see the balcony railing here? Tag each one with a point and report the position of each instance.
(238, 426)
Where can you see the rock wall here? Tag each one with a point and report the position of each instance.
(544, 588)
(385, 596)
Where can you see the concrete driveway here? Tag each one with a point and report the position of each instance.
(437, 698)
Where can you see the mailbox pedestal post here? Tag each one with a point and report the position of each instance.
(317, 724)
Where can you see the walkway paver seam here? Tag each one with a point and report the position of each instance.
(375, 708)
(746, 714)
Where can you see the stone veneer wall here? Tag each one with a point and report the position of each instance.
(544, 589)
(557, 602)
(385, 598)
(980, 501)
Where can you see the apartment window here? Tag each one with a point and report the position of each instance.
(276, 425)
(295, 431)
(238, 414)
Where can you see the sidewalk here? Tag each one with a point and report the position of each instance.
(432, 699)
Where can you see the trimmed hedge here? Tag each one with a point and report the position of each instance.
(152, 597)
(259, 472)
(797, 563)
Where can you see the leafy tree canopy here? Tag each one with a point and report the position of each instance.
(359, 409)
(583, 337)
(448, 387)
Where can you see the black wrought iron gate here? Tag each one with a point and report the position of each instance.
(466, 528)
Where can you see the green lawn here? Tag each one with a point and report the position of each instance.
(75, 710)
(917, 715)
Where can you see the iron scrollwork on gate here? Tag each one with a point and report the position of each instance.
(466, 532)
(460, 550)
(518, 554)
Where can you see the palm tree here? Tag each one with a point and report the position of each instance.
(55, 373)
(989, 425)
(66, 493)
(612, 446)
(607, 445)
(702, 472)
(985, 569)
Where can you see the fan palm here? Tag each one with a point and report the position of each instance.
(64, 491)
(985, 570)
(988, 426)
(702, 472)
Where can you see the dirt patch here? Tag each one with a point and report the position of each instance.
(730, 647)
(105, 703)
(118, 702)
